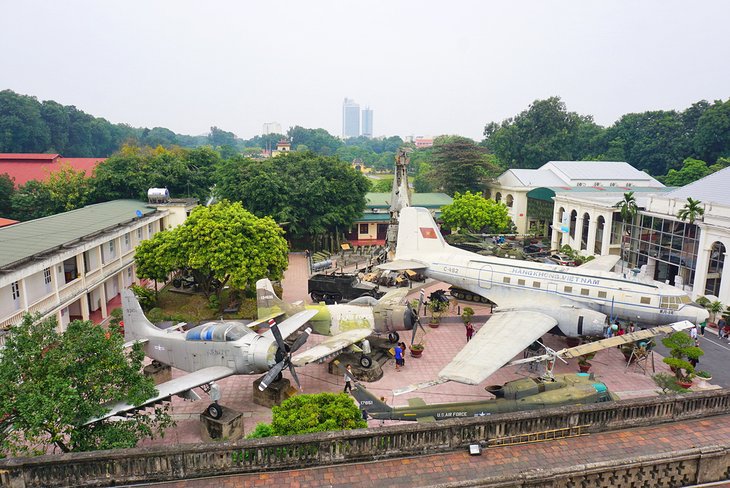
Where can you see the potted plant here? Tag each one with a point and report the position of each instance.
(436, 309)
(682, 350)
(467, 314)
(583, 364)
(416, 349)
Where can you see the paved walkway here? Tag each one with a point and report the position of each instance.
(494, 462)
(441, 345)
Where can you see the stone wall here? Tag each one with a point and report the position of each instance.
(104, 468)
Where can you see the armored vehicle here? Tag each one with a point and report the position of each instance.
(338, 288)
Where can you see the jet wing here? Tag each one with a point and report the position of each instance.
(601, 263)
(292, 324)
(393, 297)
(331, 346)
(402, 265)
(169, 388)
(504, 335)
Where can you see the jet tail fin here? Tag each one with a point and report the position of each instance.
(417, 234)
(268, 303)
(136, 326)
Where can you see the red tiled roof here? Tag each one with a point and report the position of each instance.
(27, 157)
(5, 222)
(26, 167)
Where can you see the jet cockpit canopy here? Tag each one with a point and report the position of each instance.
(218, 332)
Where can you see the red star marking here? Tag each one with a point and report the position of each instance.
(428, 233)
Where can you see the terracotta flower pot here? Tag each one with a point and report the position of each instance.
(584, 367)
(684, 383)
(416, 353)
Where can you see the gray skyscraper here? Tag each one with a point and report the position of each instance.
(367, 122)
(350, 118)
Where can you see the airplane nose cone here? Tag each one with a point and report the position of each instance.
(408, 319)
(702, 315)
(264, 354)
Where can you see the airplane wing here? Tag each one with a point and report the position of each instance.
(331, 346)
(169, 388)
(402, 265)
(601, 263)
(265, 320)
(293, 323)
(504, 336)
(393, 297)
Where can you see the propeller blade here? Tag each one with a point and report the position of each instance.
(300, 340)
(415, 329)
(294, 375)
(421, 299)
(271, 375)
(277, 335)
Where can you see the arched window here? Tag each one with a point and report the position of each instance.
(509, 200)
(498, 197)
(573, 218)
(600, 225)
(584, 231)
(714, 269)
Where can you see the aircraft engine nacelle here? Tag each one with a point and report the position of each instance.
(575, 322)
(392, 319)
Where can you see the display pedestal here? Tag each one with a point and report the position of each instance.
(158, 372)
(277, 392)
(227, 428)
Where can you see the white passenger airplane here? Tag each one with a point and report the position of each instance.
(532, 298)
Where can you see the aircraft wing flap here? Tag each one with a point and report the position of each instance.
(504, 336)
(331, 346)
(293, 323)
(169, 388)
(393, 297)
(402, 265)
(601, 263)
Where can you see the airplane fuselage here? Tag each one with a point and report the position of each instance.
(540, 285)
(249, 355)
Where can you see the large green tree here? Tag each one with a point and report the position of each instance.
(310, 194)
(458, 164)
(7, 188)
(51, 383)
(224, 242)
(692, 170)
(318, 140)
(544, 132)
(471, 213)
(712, 136)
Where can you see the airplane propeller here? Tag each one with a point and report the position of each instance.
(283, 356)
(416, 316)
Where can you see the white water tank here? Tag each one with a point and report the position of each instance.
(158, 195)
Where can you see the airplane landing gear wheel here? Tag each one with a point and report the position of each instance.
(393, 337)
(215, 411)
(365, 361)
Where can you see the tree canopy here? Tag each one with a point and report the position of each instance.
(471, 213)
(308, 193)
(51, 383)
(458, 165)
(224, 242)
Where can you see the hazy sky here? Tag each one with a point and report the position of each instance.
(424, 67)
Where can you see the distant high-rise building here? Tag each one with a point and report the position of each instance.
(350, 118)
(272, 128)
(367, 122)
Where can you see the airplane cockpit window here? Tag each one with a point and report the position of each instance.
(218, 332)
(670, 302)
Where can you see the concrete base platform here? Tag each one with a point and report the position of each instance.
(158, 372)
(227, 428)
(277, 392)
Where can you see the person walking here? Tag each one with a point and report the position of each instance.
(398, 351)
(693, 332)
(348, 375)
(469, 331)
(703, 324)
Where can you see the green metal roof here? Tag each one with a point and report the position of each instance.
(26, 239)
(427, 200)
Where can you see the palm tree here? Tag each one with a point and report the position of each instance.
(628, 210)
(690, 212)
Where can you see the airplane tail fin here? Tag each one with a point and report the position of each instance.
(136, 325)
(268, 303)
(417, 234)
(375, 407)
